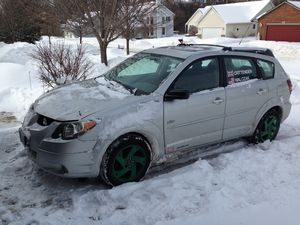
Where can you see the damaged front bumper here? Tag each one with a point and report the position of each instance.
(68, 158)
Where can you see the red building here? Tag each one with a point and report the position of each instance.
(282, 23)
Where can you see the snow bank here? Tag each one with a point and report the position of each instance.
(258, 184)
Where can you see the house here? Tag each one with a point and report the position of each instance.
(231, 20)
(282, 23)
(159, 23)
(191, 26)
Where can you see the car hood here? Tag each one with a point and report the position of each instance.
(78, 100)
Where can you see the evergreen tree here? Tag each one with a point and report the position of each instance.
(16, 25)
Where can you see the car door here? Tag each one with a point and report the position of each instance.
(246, 93)
(197, 120)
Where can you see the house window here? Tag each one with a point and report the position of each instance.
(151, 33)
(163, 31)
(148, 20)
(168, 18)
(254, 26)
(163, 20)
(151, 20)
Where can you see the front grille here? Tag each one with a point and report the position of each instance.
(44, 121)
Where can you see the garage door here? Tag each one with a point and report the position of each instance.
(211, 32)
(283, 33)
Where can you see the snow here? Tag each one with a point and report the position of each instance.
(251, 184)
(244, 12)
(295, 3)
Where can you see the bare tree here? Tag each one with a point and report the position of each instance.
(133, 13)
(60, 64)
(72, 18)
(106, 19)
(102, 18)
(44, 14)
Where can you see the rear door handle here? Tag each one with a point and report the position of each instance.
(261, 91)
(218, 101)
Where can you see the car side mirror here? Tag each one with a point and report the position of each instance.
(176, 94)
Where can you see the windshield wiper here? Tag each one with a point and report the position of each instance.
(127, 87)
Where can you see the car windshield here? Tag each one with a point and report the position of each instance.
(144, 72)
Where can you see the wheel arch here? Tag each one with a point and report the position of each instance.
(266, 108)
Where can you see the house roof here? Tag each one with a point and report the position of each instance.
(241, 12)
(200, 10)
(157, 5)
(295, 4)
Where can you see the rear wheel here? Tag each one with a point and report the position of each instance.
(267, 128)
(126, 160)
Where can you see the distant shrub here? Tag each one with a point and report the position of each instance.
(193, 30)
(60, 64)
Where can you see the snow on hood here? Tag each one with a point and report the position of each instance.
(78, 100)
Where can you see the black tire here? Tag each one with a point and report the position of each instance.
(126, 160)
(267, 128)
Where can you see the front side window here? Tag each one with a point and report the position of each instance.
(239, 69)
(200, 75)
(266, 68)
(144, 72)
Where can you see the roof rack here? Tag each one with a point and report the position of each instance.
(262, 51)
(224, 48)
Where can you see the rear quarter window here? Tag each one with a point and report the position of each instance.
(266, 68)
(239, 69)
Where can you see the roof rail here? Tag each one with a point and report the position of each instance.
(225, 48)
(262, 51)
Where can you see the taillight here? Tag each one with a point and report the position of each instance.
(290, 85)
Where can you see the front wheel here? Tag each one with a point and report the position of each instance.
(267, 128)
(126, 160)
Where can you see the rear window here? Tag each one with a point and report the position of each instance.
(266, 68)
(239, 69)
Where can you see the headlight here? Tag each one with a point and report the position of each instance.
(73, 129)
(28, 116)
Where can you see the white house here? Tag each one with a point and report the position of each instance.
(232, 20)
(191, 26)
(160, 21)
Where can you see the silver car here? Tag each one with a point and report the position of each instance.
(155, 108)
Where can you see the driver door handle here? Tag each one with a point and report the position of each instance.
(218, 101)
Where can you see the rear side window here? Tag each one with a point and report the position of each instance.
(239, 69)
(266, 68)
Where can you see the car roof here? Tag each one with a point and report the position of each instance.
(185, 51)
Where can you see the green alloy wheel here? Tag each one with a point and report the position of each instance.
(267, 128)
(126, 160)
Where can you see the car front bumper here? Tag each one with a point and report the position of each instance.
(67, 158)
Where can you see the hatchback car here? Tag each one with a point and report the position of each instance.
(156, 107)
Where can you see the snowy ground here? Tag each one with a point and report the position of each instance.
(254, 185)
